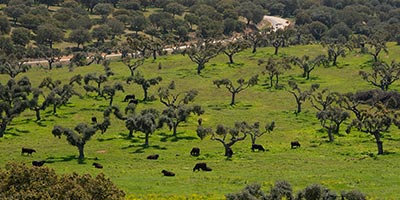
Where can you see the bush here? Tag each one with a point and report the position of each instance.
(280, 190)
(250, 192)
(28, 182)
(283, 190)
(353, 195)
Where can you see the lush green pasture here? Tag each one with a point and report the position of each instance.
(348, 163)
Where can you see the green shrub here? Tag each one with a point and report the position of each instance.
(28, 182)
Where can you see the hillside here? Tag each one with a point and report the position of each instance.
(351, 162)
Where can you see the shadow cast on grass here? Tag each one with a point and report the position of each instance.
(69, 158)
(141, 147)
(168, 137)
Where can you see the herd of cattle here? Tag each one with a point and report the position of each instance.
(194, 152)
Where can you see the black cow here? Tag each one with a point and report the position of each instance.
(28, 151)
(38, 163)
(94, 120)
(97, 165)
(129, 96)
(202, 166)
(134, 101)
(229, 152)
(294, 144)
(153, 157)
(167, 173)
(195, 151)
(258, 147)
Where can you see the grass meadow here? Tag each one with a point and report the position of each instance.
(351, 162)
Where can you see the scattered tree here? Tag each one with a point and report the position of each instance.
(331, 118)
(77, 137)
(383, 74)
(13, 101)
(59, 94)
(235, 90)
(254, 130)
(301, 96)
(229, 136)
(98, 79)
(233, 47)
(108, 92)
(274, 67)
(132, 64)
(307, 64)
(145, 83)
(178, 106)
(202, 52)
(375, 121)
(145, 122)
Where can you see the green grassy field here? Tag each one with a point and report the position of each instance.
(348, 163)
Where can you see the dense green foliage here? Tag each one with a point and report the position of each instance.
(19, 181)
(350, 65)
(350, 162)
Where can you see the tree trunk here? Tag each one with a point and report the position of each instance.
(155, 54)
(330, 135)
(276, 80)
(379, 143)
(231, 59)
(233, 98)
(380, 147)
(271, 82)
(337, 127)
(54, 108)
(145, 94)
(307, 75)
(276, 50)
(111, 100)
(375, 57)
(298, 107)
(3, 127)
(50, 64)
(199, 68)
(81, 154)
(228, 151)
(175, 126)
(254, 48)
(334, 61)
(146, 140)
(37, 111)
(130, 134)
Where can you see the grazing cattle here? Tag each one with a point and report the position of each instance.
(38, 163)
(258, 147)
(129, 97)
(98, 165)
(195, 151)
(28, 151)
(94, 120)
(200, 121)
(207, 169)
(202, 166)
(229, 152)
(294, 144)
(167, 173)
(153, 157)
(134, 101)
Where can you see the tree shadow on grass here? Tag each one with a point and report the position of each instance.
(141, 147)
(168, 137)
(53, 159)
(237, 106)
